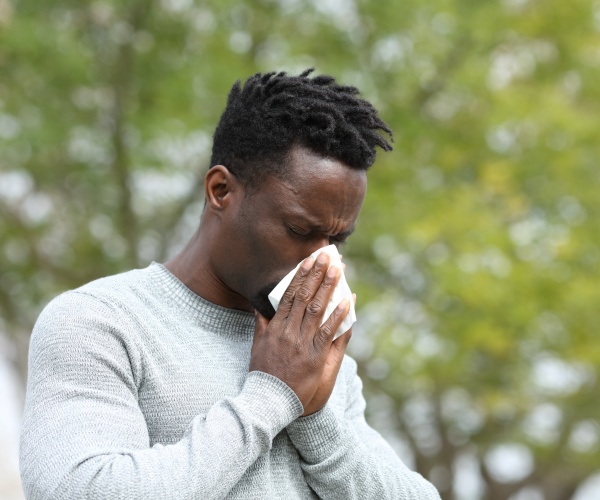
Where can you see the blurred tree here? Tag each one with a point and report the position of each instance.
(478, 249)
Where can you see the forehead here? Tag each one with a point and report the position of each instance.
(321, 191)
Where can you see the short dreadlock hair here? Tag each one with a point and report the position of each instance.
(274, 112)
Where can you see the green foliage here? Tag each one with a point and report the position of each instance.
(477, 252)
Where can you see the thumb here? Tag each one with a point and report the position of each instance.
(339, 345)
(260, 324)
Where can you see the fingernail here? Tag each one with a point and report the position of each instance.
(308, 263)
(343, 305)
(322, 258)
(333, 271)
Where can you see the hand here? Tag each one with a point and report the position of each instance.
(294, 346)
(329, 375)
(330, 371)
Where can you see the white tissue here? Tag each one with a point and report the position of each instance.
(341, 291)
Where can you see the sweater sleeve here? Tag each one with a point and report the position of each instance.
(344, 458)
(84, 435)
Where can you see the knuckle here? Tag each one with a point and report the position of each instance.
(327, 329)
(288, 295)
(317, 270)
(314, 307)
(303, 294)
(302, 272)
(327, 283)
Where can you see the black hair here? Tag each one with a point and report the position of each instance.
(274, 112)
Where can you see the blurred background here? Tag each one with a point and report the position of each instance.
(477, 254)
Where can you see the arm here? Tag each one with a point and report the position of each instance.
(347, 459)
(342, 458)
(84, 435)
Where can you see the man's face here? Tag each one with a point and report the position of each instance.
(282, 221)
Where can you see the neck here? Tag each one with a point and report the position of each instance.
(194, 267)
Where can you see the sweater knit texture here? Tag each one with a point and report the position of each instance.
(139, 389)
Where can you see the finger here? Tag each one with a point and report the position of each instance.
(307, 289)
(342, 341)
(324, 336)
(287, 300)
(335, 356)
(260, 324)
(337, 351)
(315, 309)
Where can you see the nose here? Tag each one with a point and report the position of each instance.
(319, 243)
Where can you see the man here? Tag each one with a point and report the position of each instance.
(181, 381)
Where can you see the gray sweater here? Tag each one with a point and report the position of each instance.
(139, 389)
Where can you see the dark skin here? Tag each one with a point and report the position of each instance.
(250, 237)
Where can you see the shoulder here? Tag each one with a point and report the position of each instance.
(101, 294)
(118, 287)
(89, 311)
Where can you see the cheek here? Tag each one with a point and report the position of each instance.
(271, 251)
(263, 254)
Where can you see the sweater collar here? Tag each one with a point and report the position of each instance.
(201, 311)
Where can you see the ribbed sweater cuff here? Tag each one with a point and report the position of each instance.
(317, 436)
(269, 400)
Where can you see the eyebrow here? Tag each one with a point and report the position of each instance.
(319, 229)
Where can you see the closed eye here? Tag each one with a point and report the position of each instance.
(338, 239)
(296, 231)
(307, 234)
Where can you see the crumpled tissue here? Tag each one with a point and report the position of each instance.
(341, 291)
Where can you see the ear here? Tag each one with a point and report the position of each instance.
(219, 185)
